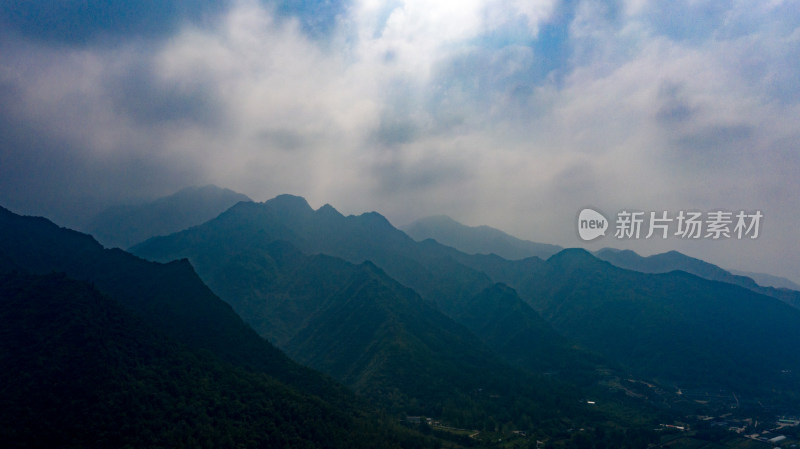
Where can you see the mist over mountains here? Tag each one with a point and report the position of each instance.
(224, 316)
(768, 280)
(477, 239)
(631, 318)
(122, 226)
(389, 327)
(673, 260)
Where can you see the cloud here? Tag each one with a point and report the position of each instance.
(513, 114)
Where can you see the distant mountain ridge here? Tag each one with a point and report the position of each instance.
(675, 327)
(307, 279)
(427, 268)
(477, 239)
(768, 280)
(673, 260)
(241, 241)
(630, 318)
(125, 225)
(487, 240)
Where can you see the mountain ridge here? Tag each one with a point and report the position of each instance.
(125, 225)
(171, 295)
(327, 287)
(476, 239)
(170, 300)
(674, 260)
(559, 289)
(658, 325)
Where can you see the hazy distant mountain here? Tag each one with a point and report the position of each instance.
(125, 225)
(673, 260)
(235, 255)
(675, 327)
(246, 386)
(768, 280)
(427, 267)
(356, 323)
(477, 239)
(670, 261)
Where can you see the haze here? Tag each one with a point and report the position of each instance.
(511, 114)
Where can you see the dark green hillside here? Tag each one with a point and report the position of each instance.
(79, 370)
(520, 335)
(419, 361)
(675, 326)
(171, 300)
(169, 296)
(390, 345)
(379, 337)
(371, 331)
(273, 286)
(359, 325)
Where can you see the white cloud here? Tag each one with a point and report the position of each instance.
(411, 109)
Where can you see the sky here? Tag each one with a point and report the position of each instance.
(515, 114)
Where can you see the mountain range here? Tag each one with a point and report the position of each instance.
(470, 338)
(656, 326)
(477, 239)
(675, 327)
(673, 260)
(487, 240)
(768, 280)
(123, 225)
(118, 351)
(350, 319)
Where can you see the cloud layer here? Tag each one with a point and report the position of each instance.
(513, 114)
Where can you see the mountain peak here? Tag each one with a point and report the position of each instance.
(572, 254)
(609, 250)
(575, 257)
(289, 202)
(328, 211)
(375, 219)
